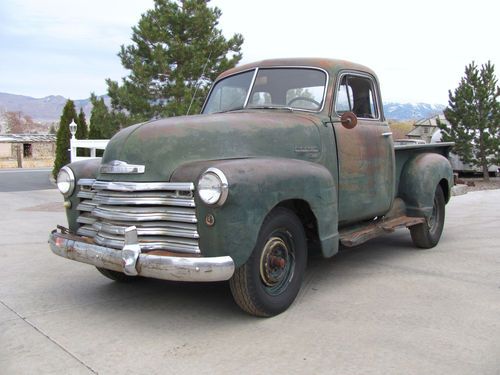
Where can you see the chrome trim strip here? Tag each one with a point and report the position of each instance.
(198, 269)
(86, 231)
(217, 81)
(117, 243)
(121, 167)
(161, 229)
(72, 181)
(86, 182)
(143, 186)
(85, 194)
(250, 88)
(86, 219)
(135, 199)
(85, 206)
(327, 82)
(224, 187)
(144, 214)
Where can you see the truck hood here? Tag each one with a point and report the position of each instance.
(162, 146)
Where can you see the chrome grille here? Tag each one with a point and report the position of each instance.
(163, 213)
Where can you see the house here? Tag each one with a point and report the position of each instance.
(28, 150)
(425, 128)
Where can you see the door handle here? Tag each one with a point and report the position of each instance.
(388, 134)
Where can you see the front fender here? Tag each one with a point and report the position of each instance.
(256, 186)
(81, 169)
(419, 179)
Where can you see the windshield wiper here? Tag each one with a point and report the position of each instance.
(257, 107)
(232, 109)
(271, 107)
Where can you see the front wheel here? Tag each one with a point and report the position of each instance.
(427, 235)
(271, 278)
(116, 276)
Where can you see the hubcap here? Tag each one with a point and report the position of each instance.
(276, 264)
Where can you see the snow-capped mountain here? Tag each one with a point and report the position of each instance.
(49, 109)
(411, 111)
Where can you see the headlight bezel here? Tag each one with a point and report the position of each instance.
(71, 181)
(223, 187)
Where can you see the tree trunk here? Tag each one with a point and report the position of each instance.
(19, 153)
(486, 175)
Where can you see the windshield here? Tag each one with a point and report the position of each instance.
(292, 88)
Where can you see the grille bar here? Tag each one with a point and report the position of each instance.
(163, 213)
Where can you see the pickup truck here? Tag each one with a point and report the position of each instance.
(288, 157)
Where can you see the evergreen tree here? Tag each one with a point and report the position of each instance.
(63, 137)
(102, 123)
(81, 130)
(474, 115)
(176, 54)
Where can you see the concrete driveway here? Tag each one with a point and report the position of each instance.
(382, 308)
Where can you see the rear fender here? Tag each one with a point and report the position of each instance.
(419, 179)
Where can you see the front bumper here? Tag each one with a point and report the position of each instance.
(198, 269)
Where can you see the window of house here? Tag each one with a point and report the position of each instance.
(27, 150)
(356, 94)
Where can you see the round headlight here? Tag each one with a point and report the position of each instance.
(213, 187)
(66, 181)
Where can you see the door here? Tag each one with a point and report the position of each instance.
(365, 152)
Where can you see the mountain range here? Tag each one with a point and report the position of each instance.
(49, 109)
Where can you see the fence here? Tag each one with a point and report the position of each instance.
(92, 144)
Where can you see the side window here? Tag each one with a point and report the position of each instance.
(356, 94)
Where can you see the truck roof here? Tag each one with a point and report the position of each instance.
(332, 66)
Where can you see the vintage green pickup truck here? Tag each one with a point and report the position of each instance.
(288, 157)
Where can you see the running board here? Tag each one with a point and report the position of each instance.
(359, 234)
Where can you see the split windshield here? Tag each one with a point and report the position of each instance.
(291, 88)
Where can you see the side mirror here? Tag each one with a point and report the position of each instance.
(348, 120)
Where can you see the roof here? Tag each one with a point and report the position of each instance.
(332, 66)
(27, 138)
(431, 121)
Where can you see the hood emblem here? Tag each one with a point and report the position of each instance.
(118, 166)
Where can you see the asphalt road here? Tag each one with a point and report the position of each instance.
(25, 179)
(382, 308)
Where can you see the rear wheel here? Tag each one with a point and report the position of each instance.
(269, 281)
(116, 276)
(427, 235)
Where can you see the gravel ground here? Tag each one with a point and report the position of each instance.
(475, 184)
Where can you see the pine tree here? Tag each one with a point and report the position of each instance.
(81, 130)
(474, 115)
(99, 118)
(63, 137)
(176, 54)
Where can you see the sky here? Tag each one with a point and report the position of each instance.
(419, 49)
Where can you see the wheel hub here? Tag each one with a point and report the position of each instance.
(274, 262)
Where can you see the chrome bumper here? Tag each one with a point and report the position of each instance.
(132, 262)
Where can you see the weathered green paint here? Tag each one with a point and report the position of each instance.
(419, 177)
(270, 157)
(256, 186)
(81, 169)
(165, 144)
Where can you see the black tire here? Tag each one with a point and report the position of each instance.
(116, 276)
(427, 235)
(267, 284)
